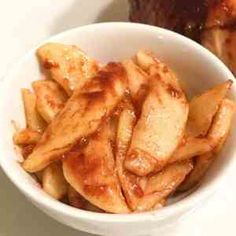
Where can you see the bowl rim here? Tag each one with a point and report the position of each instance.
(188, 202)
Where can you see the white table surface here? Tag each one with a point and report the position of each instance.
(25, 23)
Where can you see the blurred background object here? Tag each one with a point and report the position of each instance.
(209, 22)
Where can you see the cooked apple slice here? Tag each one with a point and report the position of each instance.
(76, 200)
(159, 204)
(130, 183)
(218, 134)
(33, 119)
(162, 184)
(146, 60)
(221, 125)
(160, 127)
(26, 136)
(151, 65)
(67, 65)
(80, 117)
(92, 173)
(163, 70)
(191, 147)
(53, 181)
(50, 98)
(203, 108)
(137, 78)
(201, 166)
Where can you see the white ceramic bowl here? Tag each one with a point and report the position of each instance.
(106, 42)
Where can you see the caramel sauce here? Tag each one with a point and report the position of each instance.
(26, 150)
(53, 104)
(106, 78)
(78, 146)
(175, 93)
(137, 190)
(94, 96)
(49, 64)
(134, 185)
(87, 171)
(94, 190)
(140, 98)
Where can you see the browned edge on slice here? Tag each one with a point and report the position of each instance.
(81, 116)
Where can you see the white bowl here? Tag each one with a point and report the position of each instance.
(106, 42)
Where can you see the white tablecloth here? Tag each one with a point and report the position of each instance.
(25, 23)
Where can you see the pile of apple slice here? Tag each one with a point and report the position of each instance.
(120, 137)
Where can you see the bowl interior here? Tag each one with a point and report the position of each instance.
(195, 66)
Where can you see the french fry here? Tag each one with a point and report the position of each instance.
(50, 98)
(218, 134)
(162, 184)
(53, 181)
(202, 109)
(190, 148)
(67, 65)
(81, 116)
(92, 173)
(160, 127)
(33, 120)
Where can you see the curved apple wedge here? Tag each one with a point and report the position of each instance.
(91, 172)
(53, 181)
(217, 135)
(162, 184)
(130, 183)
(81, 116)
(146, 60)
(50, 98)
(137, 78)
(66, 64)
(190, 148)
(221, 124)
(160, 127)
(203, 108)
